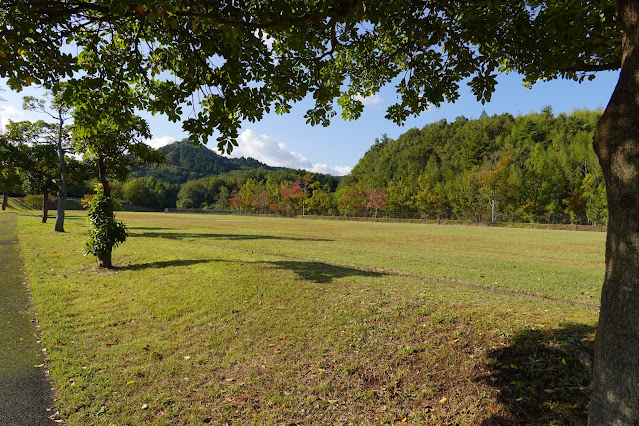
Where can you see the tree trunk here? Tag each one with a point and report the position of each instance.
(62, 191)
(615, 392)
(45, 207)
(493, 210)
(102, 176)
(5, 200)
(105, 261)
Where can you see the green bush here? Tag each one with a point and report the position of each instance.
(105, 233)
(34, 202)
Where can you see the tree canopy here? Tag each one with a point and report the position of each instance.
(245, 58)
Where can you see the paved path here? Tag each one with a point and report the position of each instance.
(25, 393)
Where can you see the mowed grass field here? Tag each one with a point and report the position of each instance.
(245, 320)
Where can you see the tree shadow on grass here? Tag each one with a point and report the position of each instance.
(234, 237)
(318, 272)
(74, 218)
(162, 264)
(322, 273)
(543, 376)
(150, 228)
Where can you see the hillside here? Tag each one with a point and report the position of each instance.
(188, 162)
(521, 167)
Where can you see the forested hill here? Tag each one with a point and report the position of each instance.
(188, 162)
(496, 168)
(530, 165)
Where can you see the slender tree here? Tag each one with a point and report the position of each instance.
(112, 150)
(60, 114)
(493, 180)
(39, 175)
(11, 159)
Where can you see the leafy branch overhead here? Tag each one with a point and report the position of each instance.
(226, 62)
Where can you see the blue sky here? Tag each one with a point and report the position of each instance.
(288, 141)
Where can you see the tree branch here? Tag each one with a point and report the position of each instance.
(593, 67)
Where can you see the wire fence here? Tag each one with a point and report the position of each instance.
(582, 223)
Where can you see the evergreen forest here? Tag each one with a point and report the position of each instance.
(535, 167)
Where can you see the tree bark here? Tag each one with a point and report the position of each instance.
(45, 207)
(493, 209)
(5, 200)
(105, 261)
(62, 191)
(615, 387)
(102, 176)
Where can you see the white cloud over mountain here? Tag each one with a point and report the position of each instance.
(265, 149)
(160, 142)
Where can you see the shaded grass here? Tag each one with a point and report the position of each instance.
(16, 315)
(309, 323)
(25, 395)
(17, 205)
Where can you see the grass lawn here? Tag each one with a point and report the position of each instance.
(228, 319)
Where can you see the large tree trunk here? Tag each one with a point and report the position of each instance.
(62, 192)
(5, 200)
(615, 393)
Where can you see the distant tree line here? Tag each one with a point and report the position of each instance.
(523, 168)
(499, 167)
(188, 162)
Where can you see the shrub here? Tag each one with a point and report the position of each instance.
(105, 232)
(32, 201)
(85, 201)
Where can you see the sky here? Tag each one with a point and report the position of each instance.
(287, 141)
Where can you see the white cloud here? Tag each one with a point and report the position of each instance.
(263, 148)
(335, 170)
(9, 113)
(369, 100)
(160, 142)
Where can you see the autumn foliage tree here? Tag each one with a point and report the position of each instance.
(429, 196)
(493, 182)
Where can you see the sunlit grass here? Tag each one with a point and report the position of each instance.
(248, 320)
(555, 264)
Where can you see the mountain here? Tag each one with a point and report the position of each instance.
(188, 162)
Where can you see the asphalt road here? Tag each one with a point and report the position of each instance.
(25, 393)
